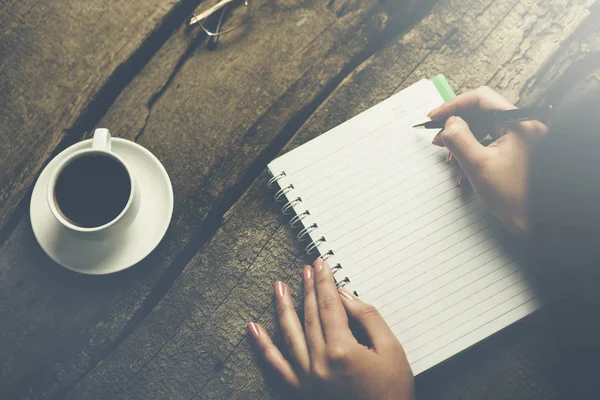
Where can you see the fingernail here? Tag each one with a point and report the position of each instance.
(253, 329)
(318, 264)
(450, 120)
(346, 294)
(437, 140)
(459, 180)
(307, 272)
(449, 158)
(280, 289)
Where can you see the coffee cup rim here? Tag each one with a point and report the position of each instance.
(52, 184)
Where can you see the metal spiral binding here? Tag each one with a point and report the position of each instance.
(310, 249)
(289, 206)
(304, 232)
(275, 179)
(298, 219)
(342, 283)
(282, 192)
(336, 268)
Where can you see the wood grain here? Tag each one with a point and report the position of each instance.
(55, 58)
(212, 118)
(192, 345)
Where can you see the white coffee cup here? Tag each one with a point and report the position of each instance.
(101, 145)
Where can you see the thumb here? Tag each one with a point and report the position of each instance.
(378, 332)
(459, 139)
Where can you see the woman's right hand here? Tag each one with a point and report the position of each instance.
(499, 173)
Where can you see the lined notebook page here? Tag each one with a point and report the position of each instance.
(426, 254)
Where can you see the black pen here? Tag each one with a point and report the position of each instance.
(478, 119)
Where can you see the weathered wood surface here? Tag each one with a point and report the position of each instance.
(55, 57)
(192, 344)
(212, 118)
(215, 118)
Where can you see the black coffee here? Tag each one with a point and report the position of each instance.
(92, 190)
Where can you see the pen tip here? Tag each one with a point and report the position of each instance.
(420, 126)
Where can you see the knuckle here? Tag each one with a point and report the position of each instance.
(308, 290)
(450, 133)
(369, 312)
(290, 342)
(282, 310)
(320, 371)
(321, 279)
(327, 303)
(337, 354)
(485, 90)
(270, 354)
(310, 320)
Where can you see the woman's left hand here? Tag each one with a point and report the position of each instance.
(325, 359)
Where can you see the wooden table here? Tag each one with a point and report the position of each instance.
(174, 326)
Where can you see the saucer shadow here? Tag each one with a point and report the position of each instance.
(116, 282)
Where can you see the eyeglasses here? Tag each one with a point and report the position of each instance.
(218, 17)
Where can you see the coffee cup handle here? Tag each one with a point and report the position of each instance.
(101, 140)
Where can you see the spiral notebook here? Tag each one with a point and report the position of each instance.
(380, 203)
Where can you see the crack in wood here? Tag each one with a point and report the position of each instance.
(233, 350)
(444, 40)
(20, 18)
(317, 37)
(238, 343)
(196, 42)
(495, 26)
(108, 93)
(230, 196)
(158, 351)
(581, 62)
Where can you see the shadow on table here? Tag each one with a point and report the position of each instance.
(552, 354)
(533, 359)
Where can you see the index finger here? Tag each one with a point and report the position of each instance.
(483, 98)
(334, 320)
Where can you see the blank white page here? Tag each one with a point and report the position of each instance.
(425, 253)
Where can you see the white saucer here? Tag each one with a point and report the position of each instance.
(96, 257)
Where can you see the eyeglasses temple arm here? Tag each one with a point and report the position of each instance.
(205, 14)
